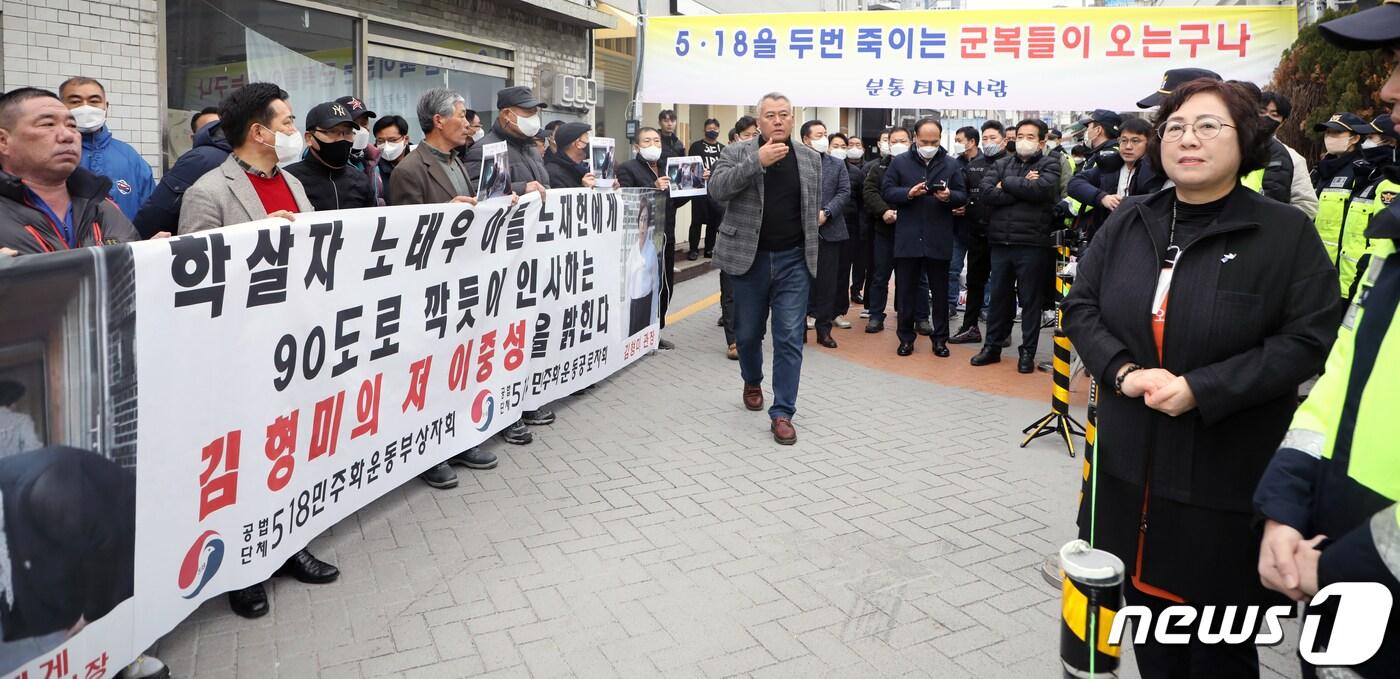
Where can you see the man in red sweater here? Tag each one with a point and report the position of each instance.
(250, 185)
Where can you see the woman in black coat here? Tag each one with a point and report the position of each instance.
(1199, 309)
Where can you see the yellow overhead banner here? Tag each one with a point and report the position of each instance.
(1052, 59)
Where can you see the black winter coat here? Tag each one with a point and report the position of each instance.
(855, 207)
(924, 228)
(332, 189)
(1250, 316)
(874, 197)
(1094, 184)
(1021, 209)
(162, 210)
(974, 222)
(564, 173)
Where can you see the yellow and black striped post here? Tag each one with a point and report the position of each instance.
(1059, 421)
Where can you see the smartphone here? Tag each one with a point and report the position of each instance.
(940, 185)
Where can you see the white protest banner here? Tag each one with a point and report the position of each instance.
(1049, 59)
(276, 377)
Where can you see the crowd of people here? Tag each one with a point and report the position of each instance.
(1216, 270)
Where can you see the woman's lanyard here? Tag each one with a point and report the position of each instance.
(1164, 277)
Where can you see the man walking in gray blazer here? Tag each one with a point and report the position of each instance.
(768, 248)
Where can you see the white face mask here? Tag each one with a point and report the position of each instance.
(289, 147)
(392, 150)
(839, 154)
(855, 154)
(884, 148)
(1370, 144)
(898, 149)
(819, 145)
(1337, 145)
(362, 139)
(529, 125)
(89, 118)
(928, 152)
(478, 134)
(650, 153)
(1027, 148)
(959, 148)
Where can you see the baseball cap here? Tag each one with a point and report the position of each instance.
(328, 115)
(1384, 125)
(517, 96)
(355, 107)
(1345, 122)
(1368, 29)
(1105, 117)
(1173, 79)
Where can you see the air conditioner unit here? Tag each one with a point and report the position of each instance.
(572, 91)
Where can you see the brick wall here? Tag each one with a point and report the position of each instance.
(114, 41)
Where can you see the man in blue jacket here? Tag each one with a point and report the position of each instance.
(925, 185)
(103, 154)
(162, 211)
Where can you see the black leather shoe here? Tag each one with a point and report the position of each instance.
(825, 340)
(905, 348)
(249, 602)
(473, 458)
(874, 326)
(537, 418)
(692, 255)
(517, 434)
(308, 569)
(440, 476)
(987, 356)
(665, 345)
(925, 328)
(709, 254)
(968, 335)
(856, 297)
(1026, 363)
(940, 349)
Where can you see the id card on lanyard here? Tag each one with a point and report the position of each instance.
(1164, 283)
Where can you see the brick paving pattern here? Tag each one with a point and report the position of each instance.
(657, 531)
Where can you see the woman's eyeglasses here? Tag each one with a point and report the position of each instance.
(1205, 128)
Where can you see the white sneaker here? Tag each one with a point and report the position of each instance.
(865, 313)
(811, 323)
(842, 323)
(145, 667)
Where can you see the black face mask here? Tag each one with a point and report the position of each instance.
(712, 134)
(335, 153)
(1269, 125)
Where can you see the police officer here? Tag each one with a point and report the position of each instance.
(1344, 442)
(1341, 173)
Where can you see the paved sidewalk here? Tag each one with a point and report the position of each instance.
(656, 530)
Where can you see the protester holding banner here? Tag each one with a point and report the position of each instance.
(517, 124)
(648, 170)
(433, 173)
(768, 245)
(249, 185)
(569, 165)
(39, 150)
(1200, 309)
(326, 175)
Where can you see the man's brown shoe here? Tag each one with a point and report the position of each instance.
(753, 396)
(783, 431)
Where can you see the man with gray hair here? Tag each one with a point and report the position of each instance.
(768, 248)
(433, 173)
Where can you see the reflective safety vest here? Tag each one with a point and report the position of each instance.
(1333, 205)
(1352, 248)
(1254, 181)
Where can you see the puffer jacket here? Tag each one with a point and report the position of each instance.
(96, 219)
(162, 211)
(1021, 209)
